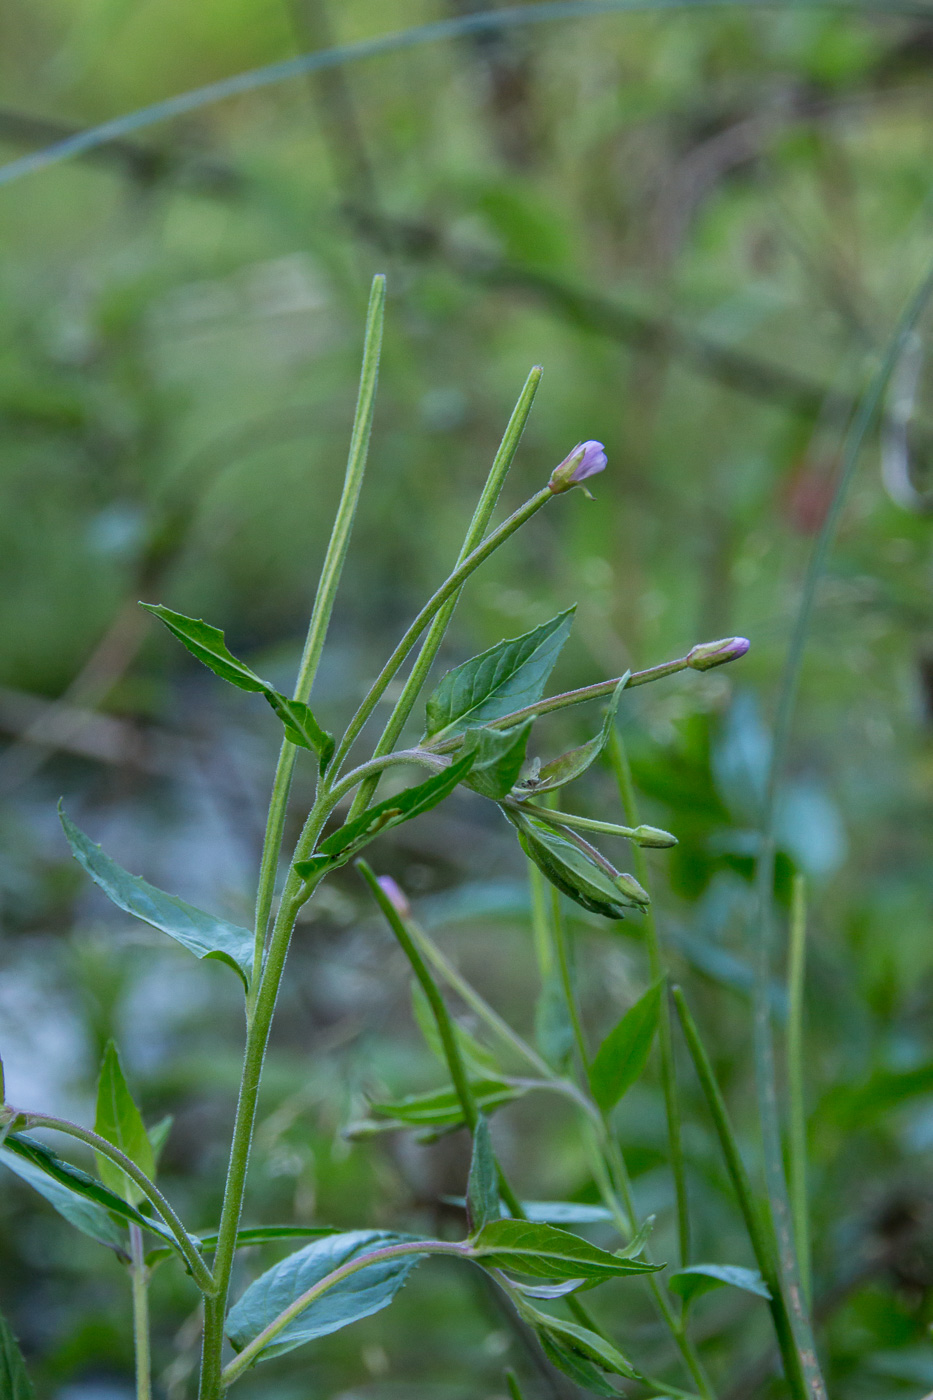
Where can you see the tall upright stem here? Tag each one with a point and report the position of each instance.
(623, 776)
(321, 614)
(139, 1277)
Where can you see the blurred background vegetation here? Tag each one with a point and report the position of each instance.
(704, 226)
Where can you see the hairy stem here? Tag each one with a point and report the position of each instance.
(139, 1276)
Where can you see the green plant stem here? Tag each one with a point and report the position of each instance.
(139, 1278)
(362, 1261)
(797, 1118)
(761, 1240)
(562, 952)
(559, 818)
(432, 607)
(320, 616)
(199, 1270)
(618, 761)
(598, 691)
(295, 894)
(437, 631)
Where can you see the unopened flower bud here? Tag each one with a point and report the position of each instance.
(632, 889)
(709, 654)
(395, 895)
(653, 836)
(586, 459)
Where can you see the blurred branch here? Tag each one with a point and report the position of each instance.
(145, 164)
(81, 731)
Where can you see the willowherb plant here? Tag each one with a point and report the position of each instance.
(478, 722)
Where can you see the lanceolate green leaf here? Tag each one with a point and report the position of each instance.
(507, 677)
(482, 1061)
(483, 1182)
(499, 755)
(357, 1296)
(253, 1235)
(202, 934)
(579, 1352)
(120, 1122)
(208, 645)
(546, 1252)
(85, 1215)
(411, 802)
(443, 1108)
(573, 872)
(569, 766)
(14, 1378)
(624, 1053)
(697, 1279)
(41, 1157)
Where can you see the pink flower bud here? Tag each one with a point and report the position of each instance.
(395, 895)
(586, 459)
(709, 654)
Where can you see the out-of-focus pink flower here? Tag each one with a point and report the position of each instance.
(709, 654)
(395, 895)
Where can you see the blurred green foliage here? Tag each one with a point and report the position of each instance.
(704, 227)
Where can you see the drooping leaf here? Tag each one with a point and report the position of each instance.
(578, 1351)
(442, 1107)
(120, 1122)
(85, 1215)
(14, 1378)
(624, 1053)
(475, 1055)
(357, 1296)
(411, 802)
(698, 1279)
(548, 1291)
(41, 1157)
(569, 766)
(499, 755)
(507, 677)
(208, 645)
(483, 1182)
(202, 934)
(546, 1252)
(573, 872)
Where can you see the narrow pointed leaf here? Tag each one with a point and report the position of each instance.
(624, 1053)
(411, 802)
(85, 1215)
(483, 1182)
(256, 1234)
(360, 1295)
(499, 756)
(14, 1378)
(442, 1108)
(697, 1279)
(571, 870)
(507, 677)
(569, 766)
(475, 1055)
(578, 1351)
(546, 1252)
(41, 1157)
(208, 645)
(158, 1136)
(202, 934)
(120, 1122)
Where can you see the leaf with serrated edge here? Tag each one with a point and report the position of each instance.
(74, 1179)
(410, 802)
(202, 934)
(87, 1216)
(14, 1378)
(500, 754)
(624, 1053)
(119, 1121)
(697, 1279)
(208, 645)
(574, 764)
(507, 677)
(546, 1252)
(360, 1295)
(483, 1182)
